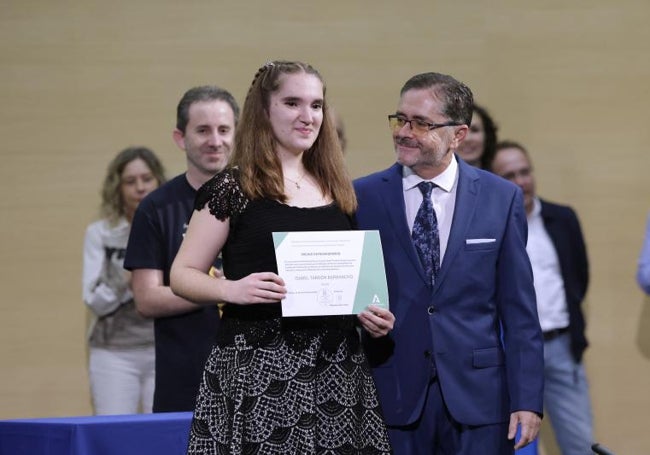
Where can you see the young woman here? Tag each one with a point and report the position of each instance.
(121, 364)
(274, 385)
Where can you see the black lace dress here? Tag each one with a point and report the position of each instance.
(274, 385)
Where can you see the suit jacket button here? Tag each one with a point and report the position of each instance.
(427, 354)
(431, 309)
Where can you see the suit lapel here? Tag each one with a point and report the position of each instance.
(393, 197)
(466, 198)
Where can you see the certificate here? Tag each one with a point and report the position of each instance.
(330, 272)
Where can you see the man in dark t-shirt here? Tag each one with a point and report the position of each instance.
(184, 331)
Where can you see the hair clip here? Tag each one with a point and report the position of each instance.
(268, 65)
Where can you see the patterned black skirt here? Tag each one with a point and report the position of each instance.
(288, 386)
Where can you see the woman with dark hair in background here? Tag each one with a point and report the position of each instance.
(121, 363)
(478, 148)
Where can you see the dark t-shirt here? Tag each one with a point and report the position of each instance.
(183, 342)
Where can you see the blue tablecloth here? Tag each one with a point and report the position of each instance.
(141, 434)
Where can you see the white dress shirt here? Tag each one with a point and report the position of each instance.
(549, 285)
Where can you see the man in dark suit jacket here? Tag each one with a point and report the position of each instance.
(463, 366)
(559, 259)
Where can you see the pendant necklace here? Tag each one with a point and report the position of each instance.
(296, 182)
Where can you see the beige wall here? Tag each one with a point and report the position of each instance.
(79, 80)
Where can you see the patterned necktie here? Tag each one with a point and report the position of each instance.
(425, 233)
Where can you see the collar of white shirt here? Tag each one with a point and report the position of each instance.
(444, 180)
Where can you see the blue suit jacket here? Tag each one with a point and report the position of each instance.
(563, 227)
(479, 321)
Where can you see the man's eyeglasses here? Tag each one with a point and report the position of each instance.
(397, 122)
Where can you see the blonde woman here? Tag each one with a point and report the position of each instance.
(121, 363)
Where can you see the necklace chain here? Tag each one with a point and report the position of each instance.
(296, 182)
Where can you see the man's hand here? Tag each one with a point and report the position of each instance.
(529, 422)
(377, 321)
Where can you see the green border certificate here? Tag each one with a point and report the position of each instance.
(330, 272)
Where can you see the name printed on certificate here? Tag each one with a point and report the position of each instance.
(330, 273)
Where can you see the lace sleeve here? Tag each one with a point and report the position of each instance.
(222, 194)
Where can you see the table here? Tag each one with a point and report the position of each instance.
(140, 434)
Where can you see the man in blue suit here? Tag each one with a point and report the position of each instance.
(463, 366)
(558, 255)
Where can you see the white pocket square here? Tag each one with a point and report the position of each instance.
(474, 241)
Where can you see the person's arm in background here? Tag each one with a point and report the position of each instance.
(643, 272)
(580, 251)
(145, 257)
(155, 300)
(98, 294)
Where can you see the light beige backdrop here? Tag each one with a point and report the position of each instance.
(80, 80)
